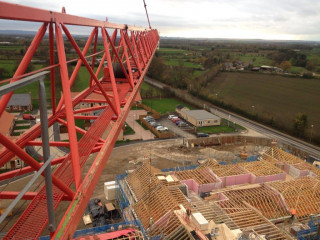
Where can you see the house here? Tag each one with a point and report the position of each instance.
(20, 102)
(198, 118)
(201, 118)
(266, 68)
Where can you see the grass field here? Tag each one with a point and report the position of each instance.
(175, 62)
(164, 105)
(258, 60)
(145, 87)
(270, 96)
(216, 129)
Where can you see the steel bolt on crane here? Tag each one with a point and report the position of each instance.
(128, 47)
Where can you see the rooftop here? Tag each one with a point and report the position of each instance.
(23, 99)
(201, 115)
(6, 121)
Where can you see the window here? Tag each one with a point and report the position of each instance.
(215, 121)
(18, 162)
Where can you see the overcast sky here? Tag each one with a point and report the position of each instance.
(248, 19)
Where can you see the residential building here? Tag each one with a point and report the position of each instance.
(198, 118)
(20, 102)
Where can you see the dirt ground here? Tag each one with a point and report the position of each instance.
(163, 154)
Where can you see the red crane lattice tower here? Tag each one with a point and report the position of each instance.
(128, 48)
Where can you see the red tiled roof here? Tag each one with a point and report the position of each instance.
(5, 122)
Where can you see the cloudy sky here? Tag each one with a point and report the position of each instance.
(247, 19)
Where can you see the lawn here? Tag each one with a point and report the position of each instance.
(216, 129)
(175, 62)
(146, 88)
(128, 130)
(164, 105)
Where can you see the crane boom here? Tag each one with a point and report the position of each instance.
(131, 48)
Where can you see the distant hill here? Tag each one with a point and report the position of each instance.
(17, 32)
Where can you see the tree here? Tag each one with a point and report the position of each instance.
(312, 63)
(285, 65)
(300, 124)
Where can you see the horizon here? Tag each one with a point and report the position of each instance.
(26, 33)
(235, 19)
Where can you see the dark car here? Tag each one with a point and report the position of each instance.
(201, 135)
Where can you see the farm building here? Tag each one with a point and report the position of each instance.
(198, 118)
(20, 102)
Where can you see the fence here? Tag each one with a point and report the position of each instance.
(152, 129)
(231, 139)
(179, 168)
(310, 234)
(154, 113)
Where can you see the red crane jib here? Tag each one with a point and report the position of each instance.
(127, 52)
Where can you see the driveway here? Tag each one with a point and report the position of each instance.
(174, 128)
(140, 132)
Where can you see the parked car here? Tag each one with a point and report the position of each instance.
(28, 117)
(200, 135)
(182, 124)
(162, 129)
(150, 119)
(171, 116)
(154, 124)
(159, 127)
(176, 120)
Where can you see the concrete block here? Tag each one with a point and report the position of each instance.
(199, 220)
(106, 184)
(111, 192)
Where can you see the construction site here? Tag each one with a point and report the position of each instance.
(62, 180)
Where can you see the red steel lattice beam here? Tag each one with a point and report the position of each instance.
(132, 49)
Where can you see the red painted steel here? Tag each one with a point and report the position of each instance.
(130, 48)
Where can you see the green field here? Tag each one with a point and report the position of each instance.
(175, 62)
(128, 130)
(254, 58)
(164, 105)
(216, 129)
(146, 89)
(270, 96)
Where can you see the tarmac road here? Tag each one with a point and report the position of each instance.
(268, 132)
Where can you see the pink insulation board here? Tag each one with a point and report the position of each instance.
(192, 185)
(236, 180)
